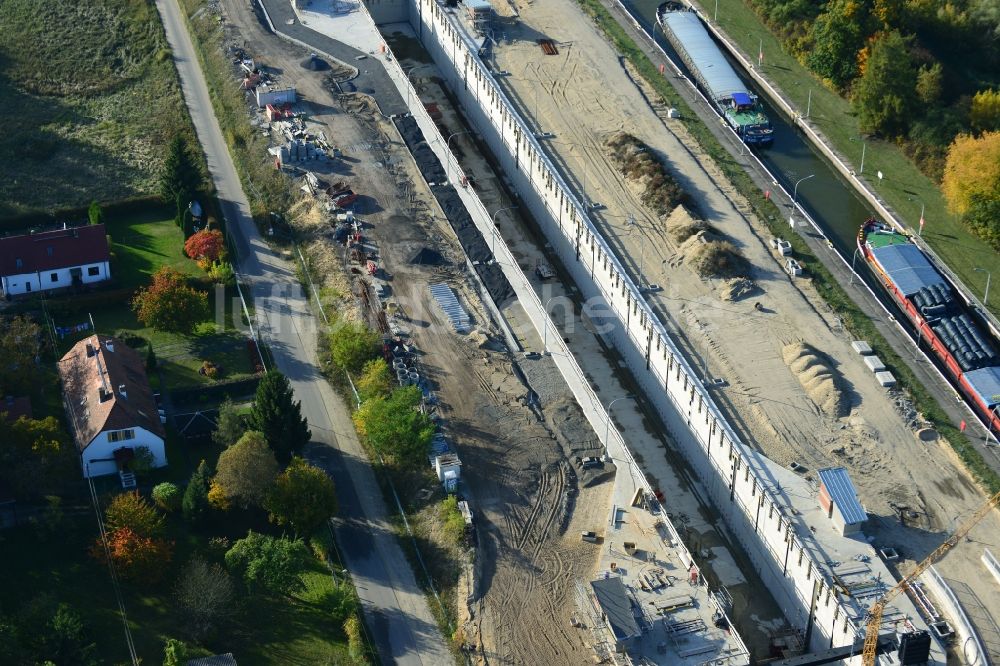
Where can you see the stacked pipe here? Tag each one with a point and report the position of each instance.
(970, 348)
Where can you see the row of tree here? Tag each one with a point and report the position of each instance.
(919, 71)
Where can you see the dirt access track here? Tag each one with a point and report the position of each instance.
(528, 497)
(578, 95)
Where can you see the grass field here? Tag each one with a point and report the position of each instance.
(144, 242)
(263, 629)
(904, 187)
(90, 96)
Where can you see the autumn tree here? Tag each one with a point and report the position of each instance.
(20, 346)
(278, 417)
(972, 168)
(206, 246)
(985, 111)
(837, 36)
(375, 379)
(195, 502)
(983, 218)
(930, 83)
(138, 558)
(37, 457)
(268, 563)
(352, 345)
(883, 97)
(133, 511)
(179, 176)
(247, 469)
(230, 425)
(169, 304)
(303, 497)
(395, 427)
(205, 596)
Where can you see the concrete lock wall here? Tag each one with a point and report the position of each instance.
(736, 477)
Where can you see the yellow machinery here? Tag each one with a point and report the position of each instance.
(875, 614)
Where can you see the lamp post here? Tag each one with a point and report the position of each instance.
(795, 198)
(493, 238)
(545, 324)
(410, 81)
(607, 424)
(447, 145)
(986, 295)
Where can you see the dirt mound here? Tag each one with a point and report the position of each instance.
(314, 63)
(712, 257)
(681, 225)
(823, 384)
(737, 288)
(637, 162)
(428, 257)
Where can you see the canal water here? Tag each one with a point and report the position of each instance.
(827, 197)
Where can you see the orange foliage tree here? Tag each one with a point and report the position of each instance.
(137, 558)
(169, 304)
(206, 246)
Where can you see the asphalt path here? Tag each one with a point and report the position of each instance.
(372, 79)
(396, 611)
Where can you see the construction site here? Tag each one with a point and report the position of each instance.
(533, 255)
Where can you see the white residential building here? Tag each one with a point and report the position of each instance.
(57, 259)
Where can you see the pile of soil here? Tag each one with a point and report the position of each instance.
(636, 161)
(822, 383)
(681, 225)
(712, 257)
(737, 288)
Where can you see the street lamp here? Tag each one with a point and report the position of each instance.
(607, 424)
(795, 199)
(493, 238)
(447, 145)
(986, 296)
(545, 324)
(410, 81)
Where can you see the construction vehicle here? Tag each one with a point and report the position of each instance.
(869, 653)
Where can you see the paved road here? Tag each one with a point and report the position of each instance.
(372, 78)
(403, 628)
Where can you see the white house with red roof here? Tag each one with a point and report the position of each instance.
(110, 405)
(57, 259)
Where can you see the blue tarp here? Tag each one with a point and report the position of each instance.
(742, 99)
(986, 383)
(841, 490)
(907, 267)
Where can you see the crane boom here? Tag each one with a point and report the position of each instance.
(875, 614)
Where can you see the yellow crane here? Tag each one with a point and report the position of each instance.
(875, 614)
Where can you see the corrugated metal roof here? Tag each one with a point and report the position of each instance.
(907, 266)
(718, 76)
(986, 383)
(613, 599)
(841, 490)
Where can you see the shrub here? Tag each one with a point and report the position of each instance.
(167, 496)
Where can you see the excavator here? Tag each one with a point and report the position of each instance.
(874, 623)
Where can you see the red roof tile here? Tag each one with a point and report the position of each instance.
(49, 250)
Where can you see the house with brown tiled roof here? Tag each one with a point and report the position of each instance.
(66, 257)
(110, 405)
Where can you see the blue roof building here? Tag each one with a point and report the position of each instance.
(839, 499)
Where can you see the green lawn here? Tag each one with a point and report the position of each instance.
(904, 186)
(144, 242)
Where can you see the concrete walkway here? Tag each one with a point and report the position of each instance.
(402, 627)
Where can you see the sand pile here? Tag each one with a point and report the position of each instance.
(712, 257)
(736, 288)
(814, 371)
(640, 165)
(681, 225)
